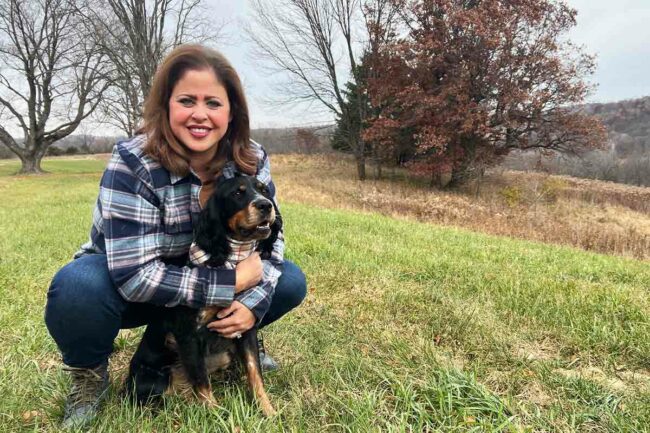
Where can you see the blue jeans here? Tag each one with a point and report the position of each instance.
(84, 310)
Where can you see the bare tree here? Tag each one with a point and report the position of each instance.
(51, 76)
(136, 35)
(316, 45)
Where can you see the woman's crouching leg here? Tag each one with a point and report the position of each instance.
(83, 312)
(289, 293)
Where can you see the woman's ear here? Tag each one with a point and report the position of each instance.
(210, 233)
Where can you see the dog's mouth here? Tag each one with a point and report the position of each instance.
(257, 232)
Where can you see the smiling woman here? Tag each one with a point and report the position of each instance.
(196, 129)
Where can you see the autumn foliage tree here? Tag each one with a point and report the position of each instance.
(472, 80)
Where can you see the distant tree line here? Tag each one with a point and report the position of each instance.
(275, 140)
(626, 159)
(627, 123)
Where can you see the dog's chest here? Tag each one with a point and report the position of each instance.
(238, 251)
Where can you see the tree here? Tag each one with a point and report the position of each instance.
(135, 35)
(359, 112)
(349, 122)
(316, 44)
(475, 79)
(51, 76)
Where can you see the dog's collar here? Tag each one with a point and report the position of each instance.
(239, 251)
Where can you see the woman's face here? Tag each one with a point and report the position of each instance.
(199, 111)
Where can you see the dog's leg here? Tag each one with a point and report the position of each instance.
(192, 352)
(149, 368)
(248, 351)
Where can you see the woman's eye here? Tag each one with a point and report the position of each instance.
(186, 102)
(214, 104)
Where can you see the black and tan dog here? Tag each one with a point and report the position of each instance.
(177, 351)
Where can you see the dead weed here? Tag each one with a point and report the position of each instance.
(592, 215)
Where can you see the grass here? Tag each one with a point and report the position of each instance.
(407, 327)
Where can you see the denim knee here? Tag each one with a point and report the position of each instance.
(289, 293)
(83, 311)
(294, 285)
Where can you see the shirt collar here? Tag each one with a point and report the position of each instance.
(174, 178)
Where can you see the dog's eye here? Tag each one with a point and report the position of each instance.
(239, 191)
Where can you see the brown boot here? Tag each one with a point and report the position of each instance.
(89, 386)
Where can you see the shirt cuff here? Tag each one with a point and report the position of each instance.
(253, 306)
(220, 289)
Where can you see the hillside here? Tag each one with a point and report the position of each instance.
(628, 124)
(593, 215)
(407, 326)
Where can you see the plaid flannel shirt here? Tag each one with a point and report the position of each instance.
(143, 222)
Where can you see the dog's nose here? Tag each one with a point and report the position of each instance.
(264, 206)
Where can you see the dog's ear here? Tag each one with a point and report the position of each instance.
(210, 233)
(219, 180)
(266, 246)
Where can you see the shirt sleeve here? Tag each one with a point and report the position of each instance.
(133, 231)
(258, 298)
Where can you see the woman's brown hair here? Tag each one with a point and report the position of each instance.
(163, 145)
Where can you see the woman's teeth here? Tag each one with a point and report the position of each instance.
(199, 132)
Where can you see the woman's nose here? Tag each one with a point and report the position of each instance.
(199, 114)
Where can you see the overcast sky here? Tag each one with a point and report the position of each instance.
(618, 32)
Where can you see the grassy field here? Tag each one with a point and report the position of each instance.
(407, 327)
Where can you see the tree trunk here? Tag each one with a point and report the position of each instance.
(441, 179)
(361, 167)
(31, 164)
(378, 171)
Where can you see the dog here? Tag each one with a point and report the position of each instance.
(177, 350)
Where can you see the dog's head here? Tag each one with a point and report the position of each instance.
(245, 208)
(240, 208)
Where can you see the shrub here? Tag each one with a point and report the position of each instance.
(512, 195)
(72, 150)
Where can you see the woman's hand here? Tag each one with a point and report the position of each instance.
(248, 272)
(235, 320)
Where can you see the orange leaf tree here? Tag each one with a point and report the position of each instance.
(470, 81)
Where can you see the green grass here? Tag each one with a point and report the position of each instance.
(79, 164)
(407, 327)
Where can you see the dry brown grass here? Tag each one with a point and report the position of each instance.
(593, 215)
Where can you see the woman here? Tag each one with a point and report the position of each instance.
(196, 127)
